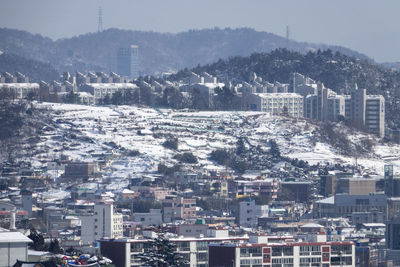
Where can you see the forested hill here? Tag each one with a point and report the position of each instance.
(158, 52)
(337, 71)
(34, 69)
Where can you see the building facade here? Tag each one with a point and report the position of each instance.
(126, 252)
(128, 61)
(102, 223)
(290, 104)
(303, 254)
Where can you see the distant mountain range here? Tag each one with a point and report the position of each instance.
(159, 52)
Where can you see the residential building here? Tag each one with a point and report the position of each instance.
(336, 107)
(249, 213)
(124, 252)
(375, 115)
(178, 208)
(104, 222)
(102, 90)
(290, 104)
(18, 86)
(268, 188)
(368, 111)
(282, 254)
(153, 217)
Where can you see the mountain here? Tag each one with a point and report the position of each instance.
(34, 69)
(159, 52)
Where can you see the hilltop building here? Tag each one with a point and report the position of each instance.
(275, 103)
(323, 104)
(18, 86)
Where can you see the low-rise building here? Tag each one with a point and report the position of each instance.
(13, 247)
(290, 104)
(282, 254)
(126, 252)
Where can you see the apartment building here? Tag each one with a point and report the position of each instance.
(276, 103)
(249, 213)
(125, 252)
(18, 85)
(104, 222)
(323, 104)
(288, 254)
(266, 187)
(178, 208)
(375, 115)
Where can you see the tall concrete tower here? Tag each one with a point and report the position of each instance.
(27, 201)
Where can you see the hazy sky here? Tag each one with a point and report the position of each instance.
(368, 26)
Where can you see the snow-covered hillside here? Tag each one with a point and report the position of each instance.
(87, 133)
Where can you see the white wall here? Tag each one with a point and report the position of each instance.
(11, 252)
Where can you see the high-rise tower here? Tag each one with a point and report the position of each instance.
(128, 61)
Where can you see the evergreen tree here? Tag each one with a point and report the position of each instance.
(55, 247)
(71, 97)
(161, 253)
(38, 241)
(117, 98)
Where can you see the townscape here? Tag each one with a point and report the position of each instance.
(216, 165)
(103, 176)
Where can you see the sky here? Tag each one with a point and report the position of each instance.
(368, 26)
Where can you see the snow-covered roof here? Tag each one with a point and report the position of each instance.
(19, 85)
(328, 200)
(312, 225)
(112, 85)
(127, 191)
(374, 225)
(13, 237)
(85, 94)
(278, 95)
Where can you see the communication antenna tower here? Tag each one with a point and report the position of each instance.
(100, 25)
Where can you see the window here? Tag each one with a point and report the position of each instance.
(202, 257)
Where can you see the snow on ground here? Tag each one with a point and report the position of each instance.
(87, 133)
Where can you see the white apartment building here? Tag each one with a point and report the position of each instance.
(289, 254)
(20, 90)
(101, 90)
(101, 224)
(276, 103)
(125, 252)
(249, 213)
